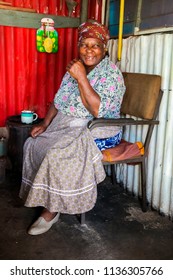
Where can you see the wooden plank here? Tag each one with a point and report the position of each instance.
(84, 11)
(5, 3)
(33, 20)
(4, 7)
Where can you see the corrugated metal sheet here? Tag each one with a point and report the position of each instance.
(156, 14)
(152, 54)
(30, 79)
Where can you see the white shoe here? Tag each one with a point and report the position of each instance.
(41, 225)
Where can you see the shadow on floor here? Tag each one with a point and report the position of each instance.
(116, 229)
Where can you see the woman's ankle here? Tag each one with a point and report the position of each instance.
(47, 215)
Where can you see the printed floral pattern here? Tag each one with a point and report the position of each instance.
(106, 79)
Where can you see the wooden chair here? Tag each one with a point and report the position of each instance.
(141, 103)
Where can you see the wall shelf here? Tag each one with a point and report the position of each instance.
(32, 20)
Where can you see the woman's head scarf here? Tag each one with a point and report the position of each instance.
(93, 30)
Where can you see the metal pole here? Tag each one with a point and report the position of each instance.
(138, 16)
(121, 20)
(107, 13)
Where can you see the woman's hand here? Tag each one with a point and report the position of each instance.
(37, 130)
(76, 69)
(89, 97)
(41, 127)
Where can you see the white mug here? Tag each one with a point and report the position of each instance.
(28, 116)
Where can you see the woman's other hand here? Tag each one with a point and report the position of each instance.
(41, 127)
(37, 130)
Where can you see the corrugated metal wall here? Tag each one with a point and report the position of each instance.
(30, 79)
(152, 54)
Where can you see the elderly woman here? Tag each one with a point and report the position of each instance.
(62, 162)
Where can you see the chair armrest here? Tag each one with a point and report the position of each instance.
(119, 122)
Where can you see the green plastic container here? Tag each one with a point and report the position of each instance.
(47, 37)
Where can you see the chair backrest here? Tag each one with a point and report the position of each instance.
(142, 95)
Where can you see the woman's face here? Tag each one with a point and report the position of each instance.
(91, 52)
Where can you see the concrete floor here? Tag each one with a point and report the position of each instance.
(116, 229)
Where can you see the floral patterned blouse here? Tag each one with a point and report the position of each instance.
(106, 79)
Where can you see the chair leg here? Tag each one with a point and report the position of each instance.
(82, 218)
(113, 174)
(143, 184)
